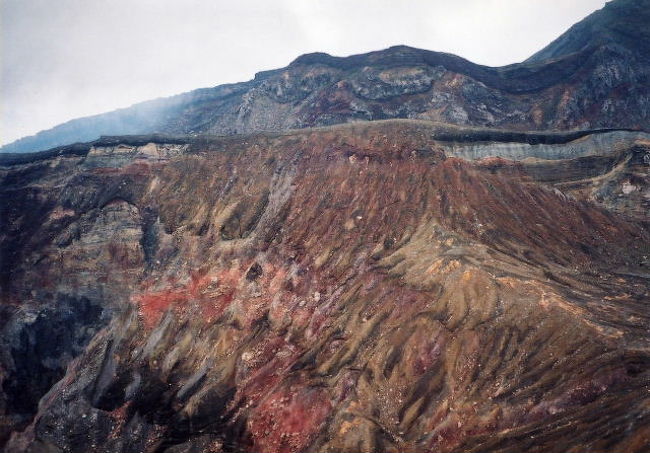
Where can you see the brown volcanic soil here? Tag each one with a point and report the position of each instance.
(351, 289)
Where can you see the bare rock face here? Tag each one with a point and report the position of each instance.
(440, 275)
(596, 75)
(387, 286)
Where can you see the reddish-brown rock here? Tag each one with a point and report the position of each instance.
(356, 288)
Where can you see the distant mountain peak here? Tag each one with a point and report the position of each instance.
(311, 58)
(399, 54)
(620, 23)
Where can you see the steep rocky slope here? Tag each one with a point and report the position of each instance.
(387, 286)
(621, 23)
(595, 75)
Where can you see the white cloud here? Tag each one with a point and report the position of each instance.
(69, 58)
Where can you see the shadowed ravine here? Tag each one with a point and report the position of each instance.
(347, 289)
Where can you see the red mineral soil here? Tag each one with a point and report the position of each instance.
(344, 289)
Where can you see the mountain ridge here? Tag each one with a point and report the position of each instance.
(580, 87)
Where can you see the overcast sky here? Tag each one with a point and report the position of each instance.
(63, 59)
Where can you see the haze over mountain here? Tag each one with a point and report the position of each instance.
(594, 76)
(388, 252)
